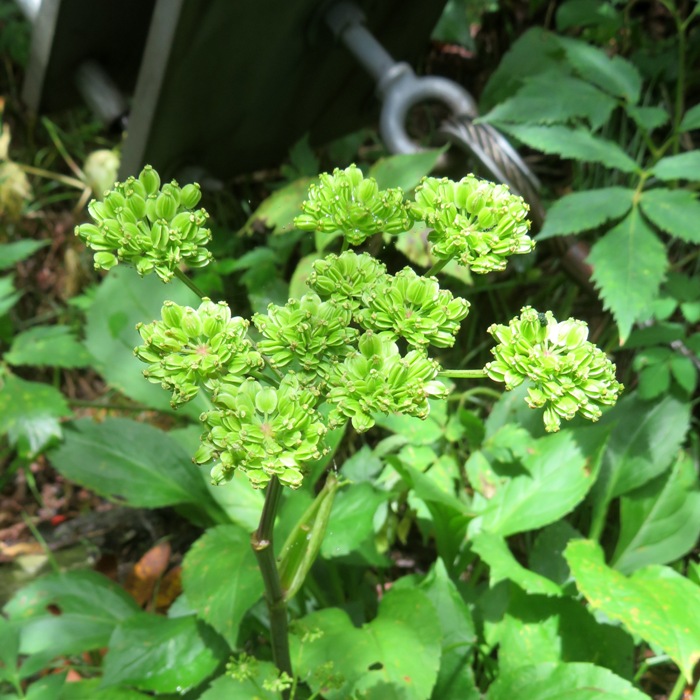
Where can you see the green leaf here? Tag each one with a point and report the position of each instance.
(9, 649)
(547, 553)
(560, 469)
(648, 118)
(582, 211)
(574, 144)
(12, 253)
(8, 296)
(47, 688)
(659, 522)
(405, 170)
(691, 119)
(351, 521)
(48, 346)
(674, 211)
(645, 438)
(68, 613)
(455, 678)
(504, 566)
(552, 681)
(90, 690)
(393, 657)
(560, 630)
(124, 299)
(277, 212)
(132, 462)
(685, 373)
(221, 579)
(653, 603)
(417, 431)
(297, 284)
(684, 166)
(29, 414)
(227, 688)
(537, 103)
(613, 74)
(629, 263)
(151, 652)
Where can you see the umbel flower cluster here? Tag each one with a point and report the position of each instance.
(569, 374)
(358, 343)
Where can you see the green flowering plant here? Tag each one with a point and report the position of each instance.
(356, 345)
(569, 374)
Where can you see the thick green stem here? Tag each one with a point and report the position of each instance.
(678, 689)
(184, 278)
(463, 373)
(261, 542)
(436, 268)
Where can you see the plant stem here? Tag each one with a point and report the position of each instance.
(462, 373)
(678, 689)
(436, 268)
(261, 542)
(186, 280)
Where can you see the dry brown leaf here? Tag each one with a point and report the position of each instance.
(142, 580)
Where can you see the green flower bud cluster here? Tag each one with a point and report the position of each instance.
(308, 332)
(348, 202)
(378, 379)
(263, 431)
(346, 278)
(414, 308)
(155, 229)
(475, 222)
(190, 347)
(569, 374)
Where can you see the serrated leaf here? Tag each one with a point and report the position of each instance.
(684, 166)
(648, 118)
(133, 462)
(168, 655)
(222, 554)
(547, 553)
(537, 103)
(29, 413)
(503, 565)
(582, 211)
(676, 212)
(48, 346)
(653, 602)
(393, 657)
(629, 263)
(573, 143)
(12, 253)
(691, 119)
(615, 74)
(552, 681)
(659, 522)
(404, 170)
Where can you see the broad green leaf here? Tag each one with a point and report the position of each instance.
(227, 688)
(560, 469)
(537, 103)
(277, 212)
(653, 603)
(582, 211)
(494, 551)
(12, 253)
(221, 579)
(684, 166)
(124, 299)
(552, 681)
(132, 462)
(68, 613)
(645, 438)
(573, 143)
(405, 170)
(560, 630)
(629, 263)
(676, 212)
(9, 649)
(351, 521)
(691, 119)
(48, 346)
(29, 413)
(416, 430)
(90, 690)
(394, 657)
(547, 553)
(685, 373)
(47, 688)
(151, 652)
(613, 74)
(648, 118)
(659, 522)
(455, 678)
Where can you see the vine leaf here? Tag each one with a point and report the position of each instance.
(676, 212)
(582, 211)
(629, 263)
(573, 143)
(653, 603)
